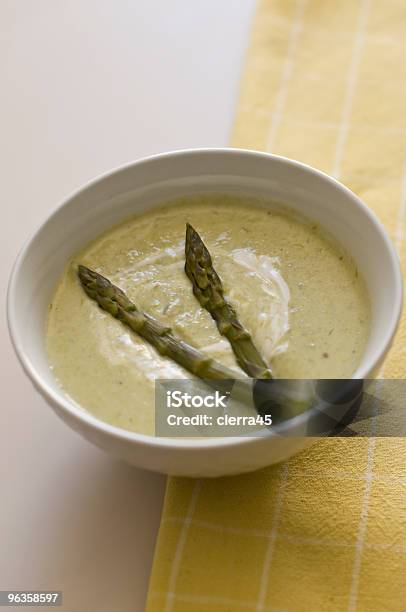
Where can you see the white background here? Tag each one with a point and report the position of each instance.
(88, 85)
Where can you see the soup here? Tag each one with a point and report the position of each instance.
(293, 288)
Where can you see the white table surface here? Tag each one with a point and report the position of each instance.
(88, 85)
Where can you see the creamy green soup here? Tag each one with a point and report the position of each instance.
(295, 290)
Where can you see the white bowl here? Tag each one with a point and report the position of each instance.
(148, 182)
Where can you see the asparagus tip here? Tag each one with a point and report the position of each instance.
(190, 233)
(86, 275)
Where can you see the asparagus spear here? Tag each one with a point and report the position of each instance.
(208, 289)
(114, 301)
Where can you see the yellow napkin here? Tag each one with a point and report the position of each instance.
(324, 83)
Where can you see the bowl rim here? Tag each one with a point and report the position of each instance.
(81, 414)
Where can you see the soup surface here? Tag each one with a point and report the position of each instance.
(296, 291)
